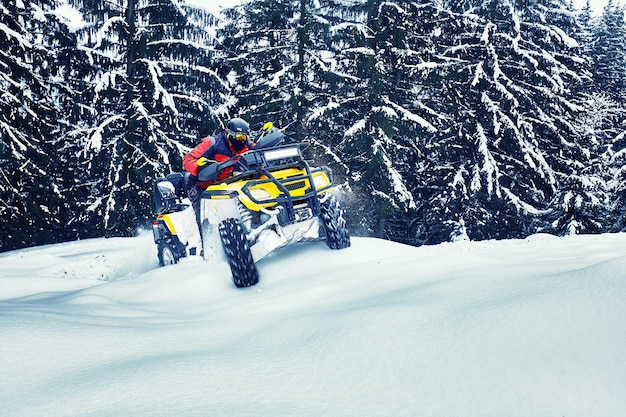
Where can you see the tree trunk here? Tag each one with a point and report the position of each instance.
(302, 31)
(130, 53)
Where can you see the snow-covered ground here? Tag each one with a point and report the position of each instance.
(533, 327)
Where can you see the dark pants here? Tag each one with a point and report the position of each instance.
(193, 193)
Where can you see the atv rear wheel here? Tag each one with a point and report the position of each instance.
(168, 255)
(331, 216)
(238, 254)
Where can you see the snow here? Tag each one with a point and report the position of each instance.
(565, 38)
(11, 34)
(320, 111)
(357, 127)
(530, 327)
(407, 115)
(70, 16)
(215, 7)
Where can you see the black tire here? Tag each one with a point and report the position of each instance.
(237, 251)
(331, 217)
(168, 254)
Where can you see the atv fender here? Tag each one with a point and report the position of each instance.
(216, 209)
(176, 235)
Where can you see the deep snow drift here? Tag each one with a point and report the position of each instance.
(533, 327)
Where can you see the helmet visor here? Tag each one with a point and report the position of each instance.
(241, 136)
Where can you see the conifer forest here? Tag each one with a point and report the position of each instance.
(441, 119)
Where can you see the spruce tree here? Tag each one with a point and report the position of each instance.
(32, 91)
(153, 89)
(609, 51)
(373, 116)
(512, 84)
(264, 42)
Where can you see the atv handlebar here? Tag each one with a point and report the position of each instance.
(269, 140)
(211, 172)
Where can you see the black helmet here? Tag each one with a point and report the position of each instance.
(238, 132)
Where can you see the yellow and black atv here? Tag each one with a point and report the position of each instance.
(274, 198)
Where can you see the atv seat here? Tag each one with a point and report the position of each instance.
(169, 193)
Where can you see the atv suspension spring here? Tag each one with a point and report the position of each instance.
(246, 216)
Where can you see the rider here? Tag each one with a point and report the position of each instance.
(233, 140)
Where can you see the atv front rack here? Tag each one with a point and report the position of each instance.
(285, 186)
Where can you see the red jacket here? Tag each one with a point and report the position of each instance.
(215, 148)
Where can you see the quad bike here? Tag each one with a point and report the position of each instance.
(274, 198)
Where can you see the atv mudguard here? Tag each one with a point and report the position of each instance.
(216, 210)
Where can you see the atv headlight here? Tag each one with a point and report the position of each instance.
(321, 181)
(260, 194)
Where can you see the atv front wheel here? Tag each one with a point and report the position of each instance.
(238, 253)
(168, 255)
(331, 216)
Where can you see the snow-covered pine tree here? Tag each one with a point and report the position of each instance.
(372, 117)
(609, 51)
(603, 37)
(511, 146)
(400, 117)
(280, 60)
(444, 37)
(589, 199)
(260, 40)
(616, 156)
(582, 200)
(585, 22)
(152, 90)
(32, 88)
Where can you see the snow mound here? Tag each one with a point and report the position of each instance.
(528, 327)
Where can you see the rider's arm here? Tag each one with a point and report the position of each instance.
(190, 161)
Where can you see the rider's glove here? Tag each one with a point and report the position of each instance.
(202, 161)
(267, 126)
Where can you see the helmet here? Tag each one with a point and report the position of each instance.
(238, 132)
